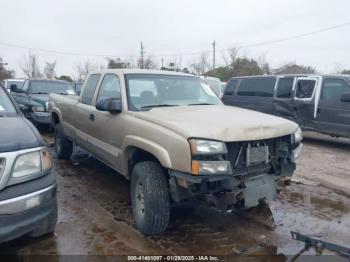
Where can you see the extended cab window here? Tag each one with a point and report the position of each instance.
(231, 87)
(333, 89)
(263, 87)
(285, 87)
(89, 89)
(305, 88)
(110, 87)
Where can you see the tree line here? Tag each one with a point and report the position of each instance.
(234, 64)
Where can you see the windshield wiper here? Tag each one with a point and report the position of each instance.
(39, 93)
(201, 104)
(159, 105)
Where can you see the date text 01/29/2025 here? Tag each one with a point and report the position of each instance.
(173, 258)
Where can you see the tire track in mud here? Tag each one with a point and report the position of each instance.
(191, 231)
(299, 208)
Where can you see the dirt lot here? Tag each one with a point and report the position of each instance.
(95, 213)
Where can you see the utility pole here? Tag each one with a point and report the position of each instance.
(213, 55)
(162, 62)
(2, 69)
(142, 51)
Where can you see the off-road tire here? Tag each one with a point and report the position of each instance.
(63, 146)
(156, 202)
(48, 225)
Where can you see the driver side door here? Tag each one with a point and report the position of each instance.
(105, 128)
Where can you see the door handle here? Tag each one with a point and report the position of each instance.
(92, 117)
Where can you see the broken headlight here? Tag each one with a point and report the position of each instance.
(297, 136)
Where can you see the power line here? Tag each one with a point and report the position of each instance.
(179, 54)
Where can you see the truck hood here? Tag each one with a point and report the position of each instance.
(18, 133)
(41, 98)
(219, 122)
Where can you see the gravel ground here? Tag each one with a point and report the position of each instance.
(95, 214)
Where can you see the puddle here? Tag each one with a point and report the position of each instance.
(300, 208)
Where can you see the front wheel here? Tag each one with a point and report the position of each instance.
(150, 198)
(63, 146)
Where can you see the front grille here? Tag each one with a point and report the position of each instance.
(239, 155)
(2, 166)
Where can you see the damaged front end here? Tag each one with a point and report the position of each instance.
(236, 174)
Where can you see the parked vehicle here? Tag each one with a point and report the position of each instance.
(214, 84)
(77, 87)
(33, 97)
(169, 134)
(318, 103)
(15, 82)
(27, 183)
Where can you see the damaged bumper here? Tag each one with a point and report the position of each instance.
(224, 191)
(41, 117)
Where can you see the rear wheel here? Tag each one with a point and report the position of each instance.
(63, 146)
(150, 198)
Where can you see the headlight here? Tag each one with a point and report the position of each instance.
(38, 108)
(207, 147)
(32, 163)
(297, 136)
(211, 167)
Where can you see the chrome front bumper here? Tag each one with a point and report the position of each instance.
(28, 201)
(41, 117)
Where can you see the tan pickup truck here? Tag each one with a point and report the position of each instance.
(174, 139)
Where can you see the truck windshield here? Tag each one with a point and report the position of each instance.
(47, 87)
(6, 106)
(18, 83)
(146, 91)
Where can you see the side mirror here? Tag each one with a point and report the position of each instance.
(345, 97)
(23, 108)
(14, 88)
(112, 105)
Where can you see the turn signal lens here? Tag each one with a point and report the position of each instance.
(211, 168)
(195, 168)
(46, 162)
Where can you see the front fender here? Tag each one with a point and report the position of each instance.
(151, 147)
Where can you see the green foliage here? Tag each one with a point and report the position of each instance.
(117, 63)
(65, 78)
(239, 67)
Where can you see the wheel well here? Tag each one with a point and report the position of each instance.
(137, 155)
(55, 119)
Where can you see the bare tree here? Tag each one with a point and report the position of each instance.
(338, 68)
(148, 63)
(82, 69)
(230, 56)
(263, 64)
(200, 65)
(5, 73)
(49, 70)
(30, 66)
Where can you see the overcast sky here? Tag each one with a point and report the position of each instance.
(106, 27)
